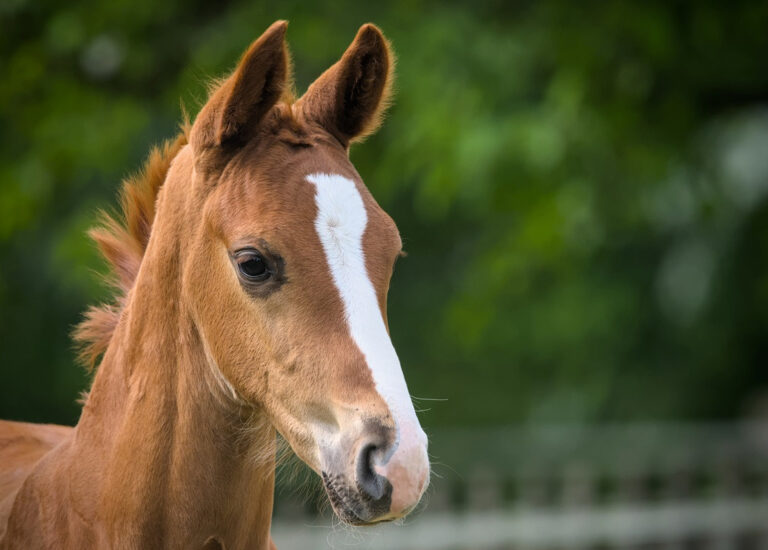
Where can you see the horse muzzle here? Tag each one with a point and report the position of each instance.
(379, 475)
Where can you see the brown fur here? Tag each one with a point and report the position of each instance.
(122, 241)
(22, 445)
(196, 370)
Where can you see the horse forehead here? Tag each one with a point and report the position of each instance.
(280, 196)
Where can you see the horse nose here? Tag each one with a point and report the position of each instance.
(373, 486)
(392, 472)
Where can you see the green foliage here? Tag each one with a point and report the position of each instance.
(581, 188)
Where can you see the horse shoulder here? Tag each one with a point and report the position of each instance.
(22, 445)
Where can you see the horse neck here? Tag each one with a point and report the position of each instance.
(175, 455)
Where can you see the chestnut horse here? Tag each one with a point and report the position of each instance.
(254, 267)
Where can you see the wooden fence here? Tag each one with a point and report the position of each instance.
(671, 486)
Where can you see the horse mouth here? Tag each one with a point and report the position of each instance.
(352, 505)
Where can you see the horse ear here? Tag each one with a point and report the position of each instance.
(259, 81)
(350, 98)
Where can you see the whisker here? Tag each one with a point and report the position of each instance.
(444, 465)
(428, 398)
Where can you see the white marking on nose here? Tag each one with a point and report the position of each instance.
(340, 223)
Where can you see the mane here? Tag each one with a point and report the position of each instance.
(122, 239)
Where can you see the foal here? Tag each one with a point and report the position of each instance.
(254, 266)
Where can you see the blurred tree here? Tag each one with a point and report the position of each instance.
(581, 188)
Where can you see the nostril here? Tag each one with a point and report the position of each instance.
(371, 483)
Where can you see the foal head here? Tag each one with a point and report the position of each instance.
(288, 267)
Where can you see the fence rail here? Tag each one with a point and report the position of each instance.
(616, 486)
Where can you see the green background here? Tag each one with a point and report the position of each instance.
(582, 190)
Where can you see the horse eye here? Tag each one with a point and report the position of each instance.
(252, 266)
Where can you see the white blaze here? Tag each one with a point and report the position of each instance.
(340, 223)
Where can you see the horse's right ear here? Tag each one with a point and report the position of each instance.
(233, 112)
(350, 98)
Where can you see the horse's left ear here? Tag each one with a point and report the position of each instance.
(261, 78)
(350, 98)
